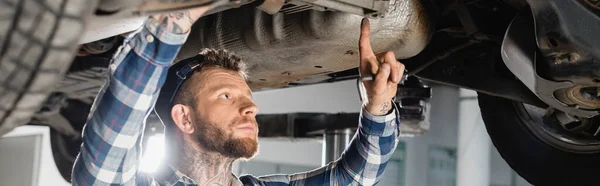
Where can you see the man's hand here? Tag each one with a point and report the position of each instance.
(385, 69)
(180, 22)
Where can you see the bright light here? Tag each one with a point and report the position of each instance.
(154, 153)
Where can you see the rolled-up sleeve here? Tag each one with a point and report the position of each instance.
(110, 150)
(362, 163)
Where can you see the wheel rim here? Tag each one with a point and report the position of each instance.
(549, 131)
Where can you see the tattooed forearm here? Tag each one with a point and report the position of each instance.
(176, 15)
(185, 15)
(179, 22)
(177, 29)
(164, 22)
(385, 108)
(176, 22)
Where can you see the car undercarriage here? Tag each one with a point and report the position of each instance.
(535, 65)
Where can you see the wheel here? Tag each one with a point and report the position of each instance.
(537, 147)
(38, 40)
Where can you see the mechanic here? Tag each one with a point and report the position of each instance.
(210, 117)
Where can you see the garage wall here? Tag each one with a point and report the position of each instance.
(26, 158)
(18, 153)
(343, 97)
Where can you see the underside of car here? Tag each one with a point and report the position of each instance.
(535, 64)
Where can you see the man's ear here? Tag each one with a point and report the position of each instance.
(182, 117)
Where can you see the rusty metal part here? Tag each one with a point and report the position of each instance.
(82, 52)
(98, 47)
(560, 58)
(271, 6)
(522, 59)
(284, 48)
(584, 97)
(568, 50)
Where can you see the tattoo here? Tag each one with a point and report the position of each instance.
(188, 16)
(176, 15)
(165, 22)
(177, 29)
(385, 108)
(206, 168)
(176, 22)
(182, 15)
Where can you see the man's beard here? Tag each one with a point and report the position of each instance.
(216, 139)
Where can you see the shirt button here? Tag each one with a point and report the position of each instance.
(149, 38)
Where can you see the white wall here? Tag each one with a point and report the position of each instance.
(330, 98)
(343, 97)
(47, 173)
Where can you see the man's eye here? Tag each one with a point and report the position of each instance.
(224, 96)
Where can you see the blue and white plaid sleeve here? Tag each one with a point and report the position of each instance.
(112, 135)
(362, 163)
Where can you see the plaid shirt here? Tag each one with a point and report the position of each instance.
(111, 148)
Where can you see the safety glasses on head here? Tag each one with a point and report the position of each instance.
(178, 73)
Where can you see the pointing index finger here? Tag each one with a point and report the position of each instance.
(364, 43)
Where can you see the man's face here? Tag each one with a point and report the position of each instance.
(225, 119)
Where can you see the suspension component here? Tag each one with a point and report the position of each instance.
(412, 99)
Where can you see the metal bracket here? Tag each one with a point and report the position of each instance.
(483, 73)
(367, 8)
(520, 54)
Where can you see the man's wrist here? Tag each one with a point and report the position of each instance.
(176, 22)
(180, 22)
(379, 125)
(380, 109)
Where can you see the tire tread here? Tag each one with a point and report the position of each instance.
(37, 46)
(534, 160)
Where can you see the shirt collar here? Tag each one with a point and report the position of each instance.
(171, 176)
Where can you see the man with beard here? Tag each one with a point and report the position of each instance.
(209, 117)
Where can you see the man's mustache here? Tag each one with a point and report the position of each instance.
(244, 121)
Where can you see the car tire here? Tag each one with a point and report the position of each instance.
(38, 41)
(532, 157)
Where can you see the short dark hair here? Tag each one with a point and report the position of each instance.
(219, 58)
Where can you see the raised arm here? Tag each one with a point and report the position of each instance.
(362, 163)
(111, 137)
(366, 157)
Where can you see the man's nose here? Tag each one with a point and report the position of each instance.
(249, 108)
